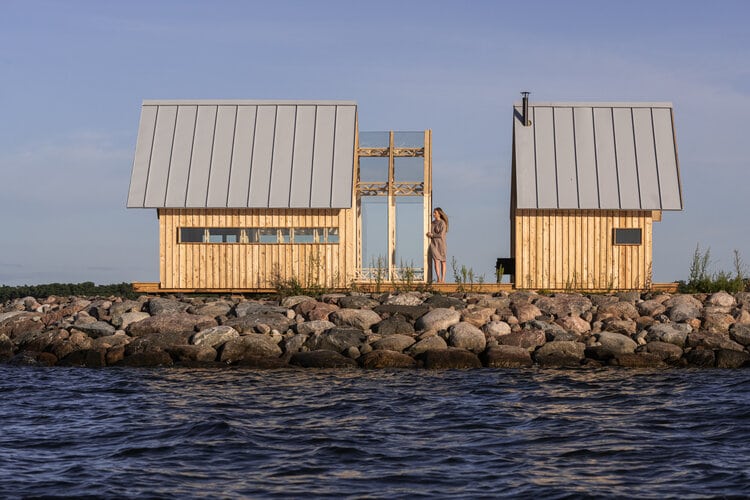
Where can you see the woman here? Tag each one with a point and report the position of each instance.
(437, 242)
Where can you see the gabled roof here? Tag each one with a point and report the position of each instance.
(244, 154)
(596, 156)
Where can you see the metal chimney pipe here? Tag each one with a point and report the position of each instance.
(525, 101)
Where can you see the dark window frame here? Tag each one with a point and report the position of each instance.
(626, 236)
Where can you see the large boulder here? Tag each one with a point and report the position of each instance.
(90, 358)
(146, 359)
(17, 323)
(560, 354)
(411, 313)
(157, 341)
(717, 322)
(404, 299)
(561, 305)
(638, 360)
(682, 308)
(313, 327)
(161, 305)
(506, 356)
(167, 322)
(616, 343)
(721, 299)
(701, 358)
(96, 329)
(621, 326)
(437, 319)
(261, 321)
(363, 319)
(444, 302)
(712, 341)
(466, 336)
(6, 347)
(357, 302)
(669, 333)
(125, 319)
(617, 310)
(394, 325)
(427, 343)
(495, 329)
(447, 359)
(650, 308)
(251, 308)
(528, 339)
(321, 359)
(62, 345)
(666, 352)
(37, 341)
(525, 312)
(215, 336)
(214, 309)
(397, 343)
(574, 324)
(477, 316)
(336, 339)
(731, 359)
(740, 333)
(192, 353)
(386, 359)
(251, 345)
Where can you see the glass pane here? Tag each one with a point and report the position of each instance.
(374, 232)
(374, 139)
(408, 169)
(410, 231)
(252, 235)
(191, 235)
(223, 235)
(284, 235)
(306, 235)
(373, 169)
(266, 235)
(333, 235)
(408, 139)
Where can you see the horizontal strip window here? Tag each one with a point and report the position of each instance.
(628, 236)
(299, 235)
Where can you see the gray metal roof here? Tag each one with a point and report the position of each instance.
(244, 154)
(596, 156)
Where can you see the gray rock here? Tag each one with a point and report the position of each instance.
(156, 341)
(525, 312)
(650, 308)
(36, 341)
(170, 323)
(731, 359)
(667, 352)
(96, 329)
(702, 358)
(294, 343)
(495, 329)
(321, 359)
(629, 296)
(617, 343)
(22, 323)
(561, 305)
(621, 326)
(668, 333)
(215, 336)
(506, 356)
(740, 333)
(90, 358)
(124, 320)
(292, 302)
(683, 311)
(250, 323)
(467, 336)
(550, 329)
(617, 310)
(160, 305)
(394, 325)
(147, 359)
(404, 299)
(477, 316)
(721, 299)
(714, 322)
(437, 319)
(192, 353)
(639, 360)
(712, 341)
(683, 299)
(357, 302)
(574, 324)
(313, 327)
(560, 354)
(6, 347)
(62, 344)
(336, 339)
(528, 339)
(411, 313)
(386, 359)
(120, 308)
(444, 302)
(394, 342)
(427, 343)
(250, 308)
(213, 309)
(363, 319)
(449, 359)
(252, 345)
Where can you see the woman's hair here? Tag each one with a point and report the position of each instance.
(443, 216)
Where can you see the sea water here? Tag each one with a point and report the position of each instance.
(235, 433)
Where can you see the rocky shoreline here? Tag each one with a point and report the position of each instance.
(391, 330)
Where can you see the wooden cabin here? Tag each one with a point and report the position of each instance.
(253, 194)
(588, 182)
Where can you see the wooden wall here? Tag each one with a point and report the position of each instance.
(229, 266)
(573, 250)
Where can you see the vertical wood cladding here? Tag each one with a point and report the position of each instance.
(574, 249)
(254, 265)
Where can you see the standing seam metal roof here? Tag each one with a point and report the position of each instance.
(244, 154)
(596, 156)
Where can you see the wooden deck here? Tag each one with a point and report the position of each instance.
(154, 288)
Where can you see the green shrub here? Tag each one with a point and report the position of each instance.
(702, 281)
(87, 289)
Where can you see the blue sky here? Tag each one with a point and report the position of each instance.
(73, 75)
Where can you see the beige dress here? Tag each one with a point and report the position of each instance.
(437, 240)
